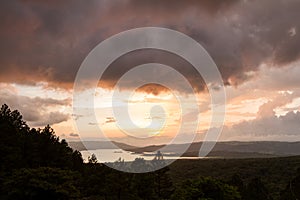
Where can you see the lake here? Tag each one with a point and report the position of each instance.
(111, 155)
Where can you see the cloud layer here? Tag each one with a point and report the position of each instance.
(37, 111)
(48, 40)
(277, 127)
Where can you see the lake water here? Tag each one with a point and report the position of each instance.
(111, 155)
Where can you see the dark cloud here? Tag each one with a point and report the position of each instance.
(41, 39)
(48, 40)
(210, 6)
(135, 58)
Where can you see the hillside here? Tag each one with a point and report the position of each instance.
(36, 164)
(233, 149)
(274, 172)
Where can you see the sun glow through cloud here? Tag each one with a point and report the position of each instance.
(258, 60)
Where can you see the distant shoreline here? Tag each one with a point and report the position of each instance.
(264, 149)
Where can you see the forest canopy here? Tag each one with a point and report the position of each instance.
(36, 164)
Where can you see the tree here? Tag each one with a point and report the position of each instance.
(12, 118)
(205, 188)
(237, 182)
(139, 165)
(164, 186)
(12, 127)
(292, 190)
(92, 159)
(22, 147)
(256, 189)
(143, 185)
(42, 183)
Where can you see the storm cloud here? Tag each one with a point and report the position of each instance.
(48, 40)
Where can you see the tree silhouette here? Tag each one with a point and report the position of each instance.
(206, 188)
(237, 181)
(139, 165)
(164, 186)
(42, 183)
(30, 149)
(36, 164)
(292, 190)
(21, 146)
(256, 189)
(92, 159)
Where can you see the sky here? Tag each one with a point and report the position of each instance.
(255, 45)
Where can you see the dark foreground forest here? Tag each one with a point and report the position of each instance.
(36, 164)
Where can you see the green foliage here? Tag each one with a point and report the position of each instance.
(36, 164)
(237, 181)
(23, 151)
(41, 183)
(164, 185)
(256, 189)
(292, 190)
(144, 186)
(22, 147)
(281, 170)
(93, 180)
(206, 188)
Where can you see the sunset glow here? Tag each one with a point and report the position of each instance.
(258, 61)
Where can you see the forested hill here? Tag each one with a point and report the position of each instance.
(25, 147)
(35, 164)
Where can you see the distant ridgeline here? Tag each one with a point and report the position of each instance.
(35, 164)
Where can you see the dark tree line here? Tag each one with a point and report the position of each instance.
(36, 164)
